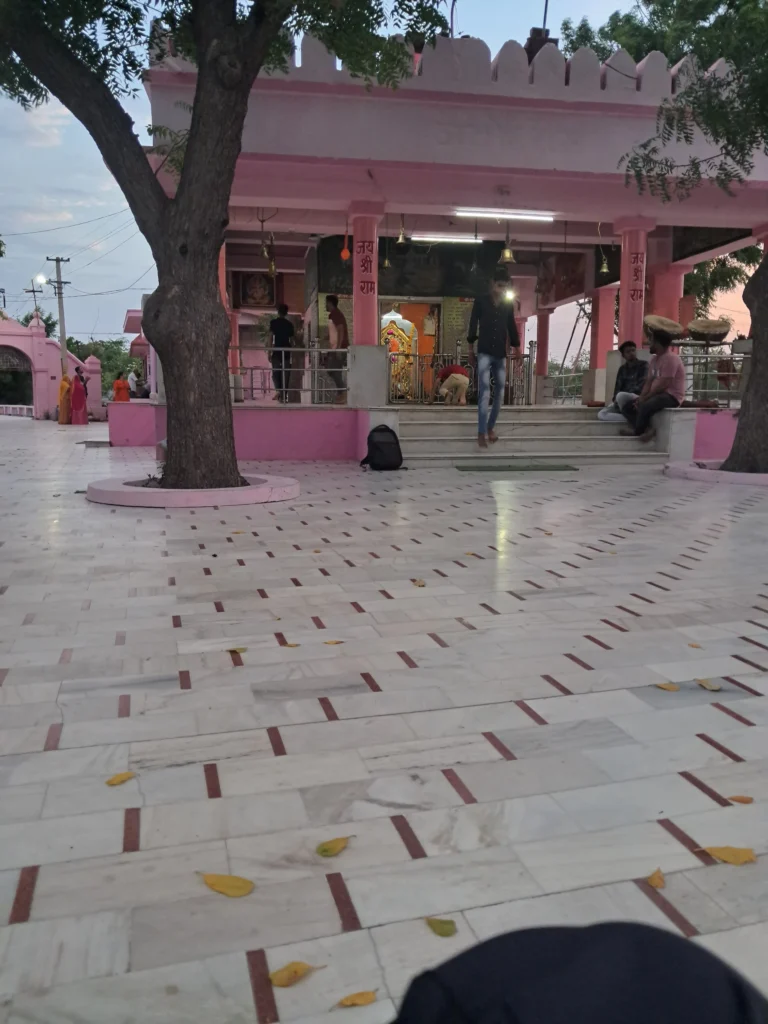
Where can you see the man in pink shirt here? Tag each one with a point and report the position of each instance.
(664, 386)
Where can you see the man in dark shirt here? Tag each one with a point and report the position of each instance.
(492, 325)
(338, 337)
(629, 382)
(282, 332)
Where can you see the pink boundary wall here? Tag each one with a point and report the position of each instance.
(44, 355)
(313, 434)
(715, 431)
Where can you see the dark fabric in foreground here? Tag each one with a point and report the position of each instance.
(604, 974)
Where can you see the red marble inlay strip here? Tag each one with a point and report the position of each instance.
(558, 686)
(218, 606)
(671, 912)
(754, 622)
(531, 713)
(280, 637)
(318, 622)
(25, 893)
(756, 643)
(497, 744)
(705, 789)
(438, 639)
(615, 625)
(407, 659)
(270, 554)
(489, 609)
(641, 598)
(185, 680)
(669, 575)
(577, 661)
(132, 830)
(409, 837)
(85, 606)
(358, 607)
(733, 714)
(385, 594)
(3, 590)
(439, 573)
(629, 611)
(124, 705)
(370, 682)
(467, 625)
(350, 922)
(513, 594)
(53, 737)
(536, 586)
(66, 656)
(278, 747)
(600, 643)
(329, 709)
(742, 686)
(324, 572)
(719, 746)
(212, 783)
(29, 618)
(177, 622)
(658, 586)
(685, 840)
(3, 675)
(295, 582)
(460, 786)
(240, 561)
(553, 573)
(206, 572)
(261, 987)
(262, 593)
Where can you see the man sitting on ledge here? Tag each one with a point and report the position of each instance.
(664, 387)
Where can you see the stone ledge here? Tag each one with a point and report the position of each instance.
(260, 490)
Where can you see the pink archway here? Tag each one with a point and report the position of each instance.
(44, 357)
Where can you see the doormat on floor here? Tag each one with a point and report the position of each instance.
(518, 467)
(96, 444)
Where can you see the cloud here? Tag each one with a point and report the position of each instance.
(47, 216)
(45, 125)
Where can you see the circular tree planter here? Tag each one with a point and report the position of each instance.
(260, 489)
(709, 472)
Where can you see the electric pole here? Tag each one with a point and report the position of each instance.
(33, 291)
(58, 287)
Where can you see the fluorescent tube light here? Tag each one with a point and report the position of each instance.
(458, 239)
(506, 215)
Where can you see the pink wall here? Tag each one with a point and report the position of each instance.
(44, 354)
(261, 434)
(714, 434)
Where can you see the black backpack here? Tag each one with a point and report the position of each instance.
(383, 449)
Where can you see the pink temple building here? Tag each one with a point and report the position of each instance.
(472, 161)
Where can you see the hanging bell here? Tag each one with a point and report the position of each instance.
(604, 268)
(386, 265)
(507, 256)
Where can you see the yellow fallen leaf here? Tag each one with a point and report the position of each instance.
(332, 643)
(694, 645)
(736, 855)
(445, 928)
(237, 650)
(291, 973)
(317, 551)
(333, 847)
(741, 799)
(229, 885)
(419, 583)
(657, 879)
(671, 687)
(707, 684)
(358, 999)
(469, 554)
(291, 645)
(120, 778)
(548, 534)
(237, 531)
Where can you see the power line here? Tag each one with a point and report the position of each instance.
(97, 241)
(113, 249)
(61, 227)
(115, 291)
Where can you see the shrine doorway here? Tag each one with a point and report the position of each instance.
(15, 377)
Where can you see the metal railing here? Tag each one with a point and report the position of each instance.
(302, 376)
(714, 377)
(412, 378)
(566, 387)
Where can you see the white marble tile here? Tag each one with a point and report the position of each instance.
(411, 755)
(582, 706)
(127, 730)
(150, 754)
(438, 885)
(660, 725)
(8, 883)
(217, 989)
(360, 705)
(272, 915)
(622, 901)
(458, 721)
(196, 821)
(560, 739)
(638, 760)
(594, 858)
(748, 778)
(241, 776)
(60, 839)
(41, 954)
(21, 803)
(126, 880)
(59, 764)
(743, 948)
(729, 826)
(347, 735)
(379, 797)
(505, 779)
(407, 948)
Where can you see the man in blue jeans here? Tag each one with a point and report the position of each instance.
(492, 325)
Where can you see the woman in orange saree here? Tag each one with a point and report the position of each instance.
(65, 406)
(121, 389)
(79, 410)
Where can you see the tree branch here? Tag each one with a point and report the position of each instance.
(89, 99)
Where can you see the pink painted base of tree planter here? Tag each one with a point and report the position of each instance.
(260, 489)
(710, 473)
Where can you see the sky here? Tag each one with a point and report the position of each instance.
(57, 198)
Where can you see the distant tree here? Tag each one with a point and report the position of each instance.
(49, 322)
(113, 355)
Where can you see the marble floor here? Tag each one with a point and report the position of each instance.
(459, 672)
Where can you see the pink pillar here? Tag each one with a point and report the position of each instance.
(365, 275)
(542, 342)
(668, 284)
(92, 370)
(521, 321)
(634, 238)
(603, 323)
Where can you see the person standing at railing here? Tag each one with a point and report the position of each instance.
(338, 336)
(282, 331)
(492, 325)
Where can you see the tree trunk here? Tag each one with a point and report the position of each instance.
(187, 324)
(749, 453)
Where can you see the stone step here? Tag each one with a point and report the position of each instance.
(571, 458)
(522, 445)
(508, 428)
